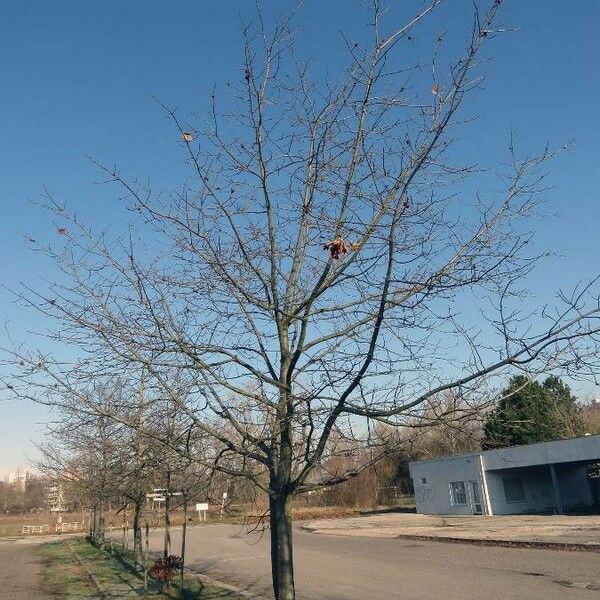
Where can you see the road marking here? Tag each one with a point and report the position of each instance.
(220, 557)
(234, 559)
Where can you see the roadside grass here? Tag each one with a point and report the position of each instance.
(67, 579)
(63, 576)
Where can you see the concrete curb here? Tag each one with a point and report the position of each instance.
(87, 570)
(227, 586)
(565, 546)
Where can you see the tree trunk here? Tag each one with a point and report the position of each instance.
(93, 525)
(137, 533)
(124, 543)
(101, 525)
(282, 563)
(110, 525)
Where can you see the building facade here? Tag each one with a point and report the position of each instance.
(549, 477)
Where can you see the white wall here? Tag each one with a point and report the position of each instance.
(433, 496)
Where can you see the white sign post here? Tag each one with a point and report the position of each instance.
(202, 508)
(223, 503)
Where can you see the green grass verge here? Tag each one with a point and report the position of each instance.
(65, 577)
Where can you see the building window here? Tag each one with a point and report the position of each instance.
(424, 480)
(513, 490)
(458, 493)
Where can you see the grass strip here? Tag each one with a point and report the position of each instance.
(68, 579)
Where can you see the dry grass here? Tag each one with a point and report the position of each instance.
(305, 513)
(12, 525)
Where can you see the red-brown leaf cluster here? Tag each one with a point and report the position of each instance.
(164, 569)
(338, 247)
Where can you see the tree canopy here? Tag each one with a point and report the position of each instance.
(529, 411)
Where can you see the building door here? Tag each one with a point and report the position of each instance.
(475, 497)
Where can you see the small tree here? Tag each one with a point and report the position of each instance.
(531, 412)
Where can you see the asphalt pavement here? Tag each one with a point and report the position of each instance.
(330, 567)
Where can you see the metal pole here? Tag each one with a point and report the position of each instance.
(146, 565)
(167, 541)
(183, 534)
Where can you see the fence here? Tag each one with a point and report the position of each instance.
(59, 528)
(28, 529)
(64, 527)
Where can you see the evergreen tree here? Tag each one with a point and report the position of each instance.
(532, 412)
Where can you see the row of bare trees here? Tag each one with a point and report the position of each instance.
(111, 466)
(324, 270)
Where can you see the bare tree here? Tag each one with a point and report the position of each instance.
(82, 453)
(318, 272)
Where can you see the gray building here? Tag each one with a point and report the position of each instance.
(555, 477)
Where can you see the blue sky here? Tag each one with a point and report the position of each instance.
(76, 79)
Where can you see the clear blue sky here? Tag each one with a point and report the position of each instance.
(76, 78)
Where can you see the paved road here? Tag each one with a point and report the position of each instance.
(20, 571)
(343, 568)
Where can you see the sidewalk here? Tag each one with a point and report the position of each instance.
(549, 530)
(20, 573)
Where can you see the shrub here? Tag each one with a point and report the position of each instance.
(164, 569)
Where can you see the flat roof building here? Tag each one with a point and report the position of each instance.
(548, 477)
